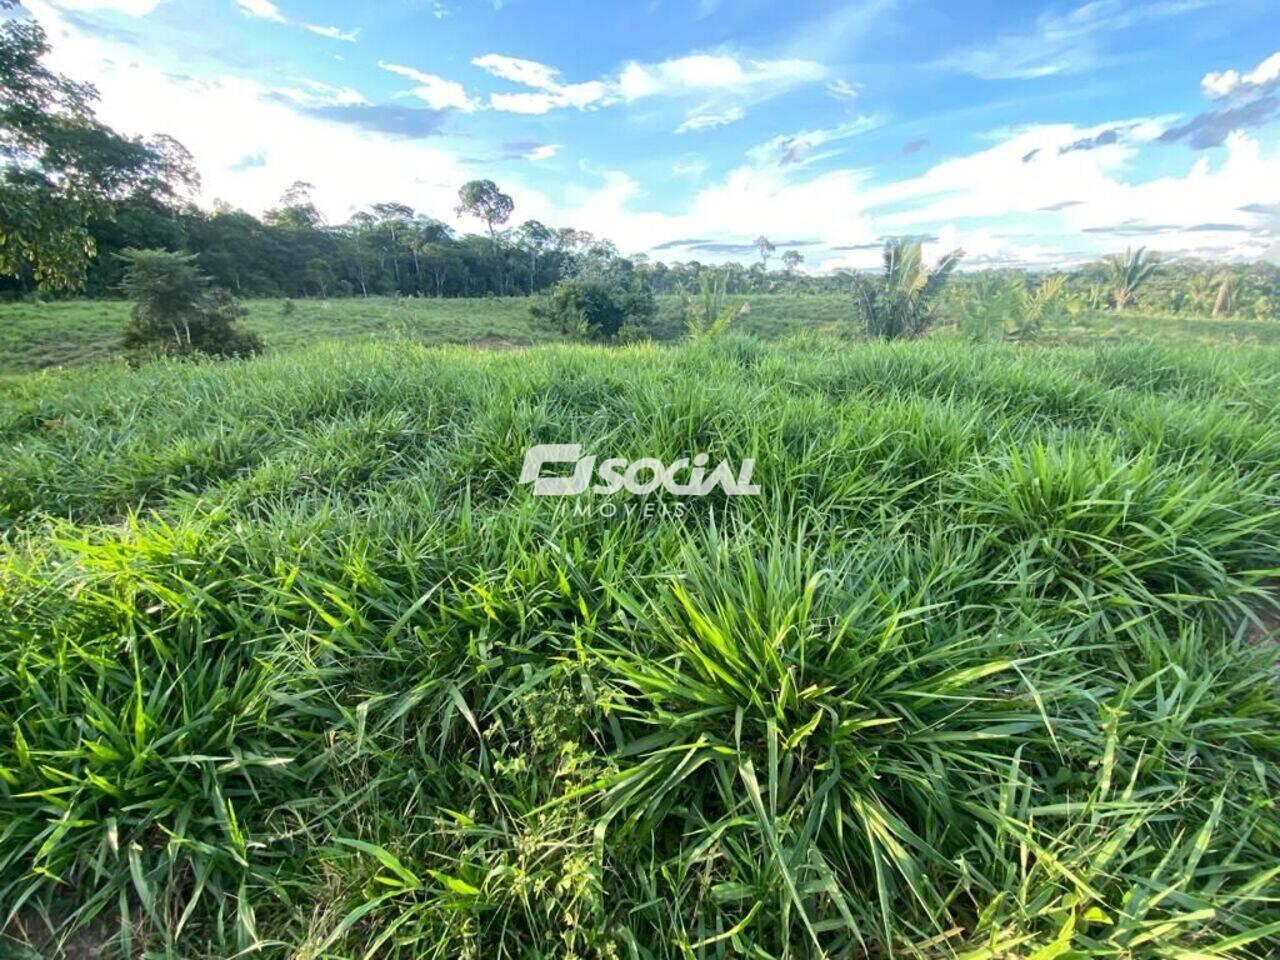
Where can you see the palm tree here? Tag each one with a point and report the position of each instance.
(900, 305)
(1223, 302)
(1127, 272)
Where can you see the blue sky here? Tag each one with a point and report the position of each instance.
(1028, 133)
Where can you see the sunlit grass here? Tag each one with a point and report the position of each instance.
(290, 665)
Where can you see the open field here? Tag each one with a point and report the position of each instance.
(71, 333)
(290, 664)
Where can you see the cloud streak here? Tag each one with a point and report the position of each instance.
(267, 10)
(1063, 43)
(709, 121)
(700, 74)
(436, 92)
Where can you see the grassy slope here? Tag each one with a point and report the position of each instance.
(971, 670)
(34, 337)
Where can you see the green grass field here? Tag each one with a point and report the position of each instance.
(72, 333)
(291, 666)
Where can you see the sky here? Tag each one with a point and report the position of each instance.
(1030, 134)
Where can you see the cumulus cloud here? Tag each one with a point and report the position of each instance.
(1243, 101)
(1263, 77)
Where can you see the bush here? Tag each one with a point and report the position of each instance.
(597, 309)
(175, 314)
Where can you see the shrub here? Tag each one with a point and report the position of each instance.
(901, 304)
(710, 315)
(1013, 311)
(596, 308)
(175, 314)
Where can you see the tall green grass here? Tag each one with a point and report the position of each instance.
(291, 666)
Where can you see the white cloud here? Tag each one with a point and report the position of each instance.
(578, 95)
(263, 9)
(544, 152)
(314, 94)
(333, 33)
(435, 92)
(132, 8)
(1223, 84)
(250, 141)
(702, 73)
(695, 75)
(551, 95)
(527, 73)
(709, 121)
(1079, 203)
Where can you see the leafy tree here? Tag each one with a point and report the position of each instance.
(175, 312)
(766, 248)
(441, 262)
(536, 237)
(483, 200)
(792, 260)
(297, 210)
(320, 275)
(902, 303)
(62, 168)
(1126, 273)
(393, 219)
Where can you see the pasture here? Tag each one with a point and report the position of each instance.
(72, 333)
(291, 665)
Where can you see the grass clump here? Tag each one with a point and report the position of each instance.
(290, 665)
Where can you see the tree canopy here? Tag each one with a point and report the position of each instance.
(63, 169)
